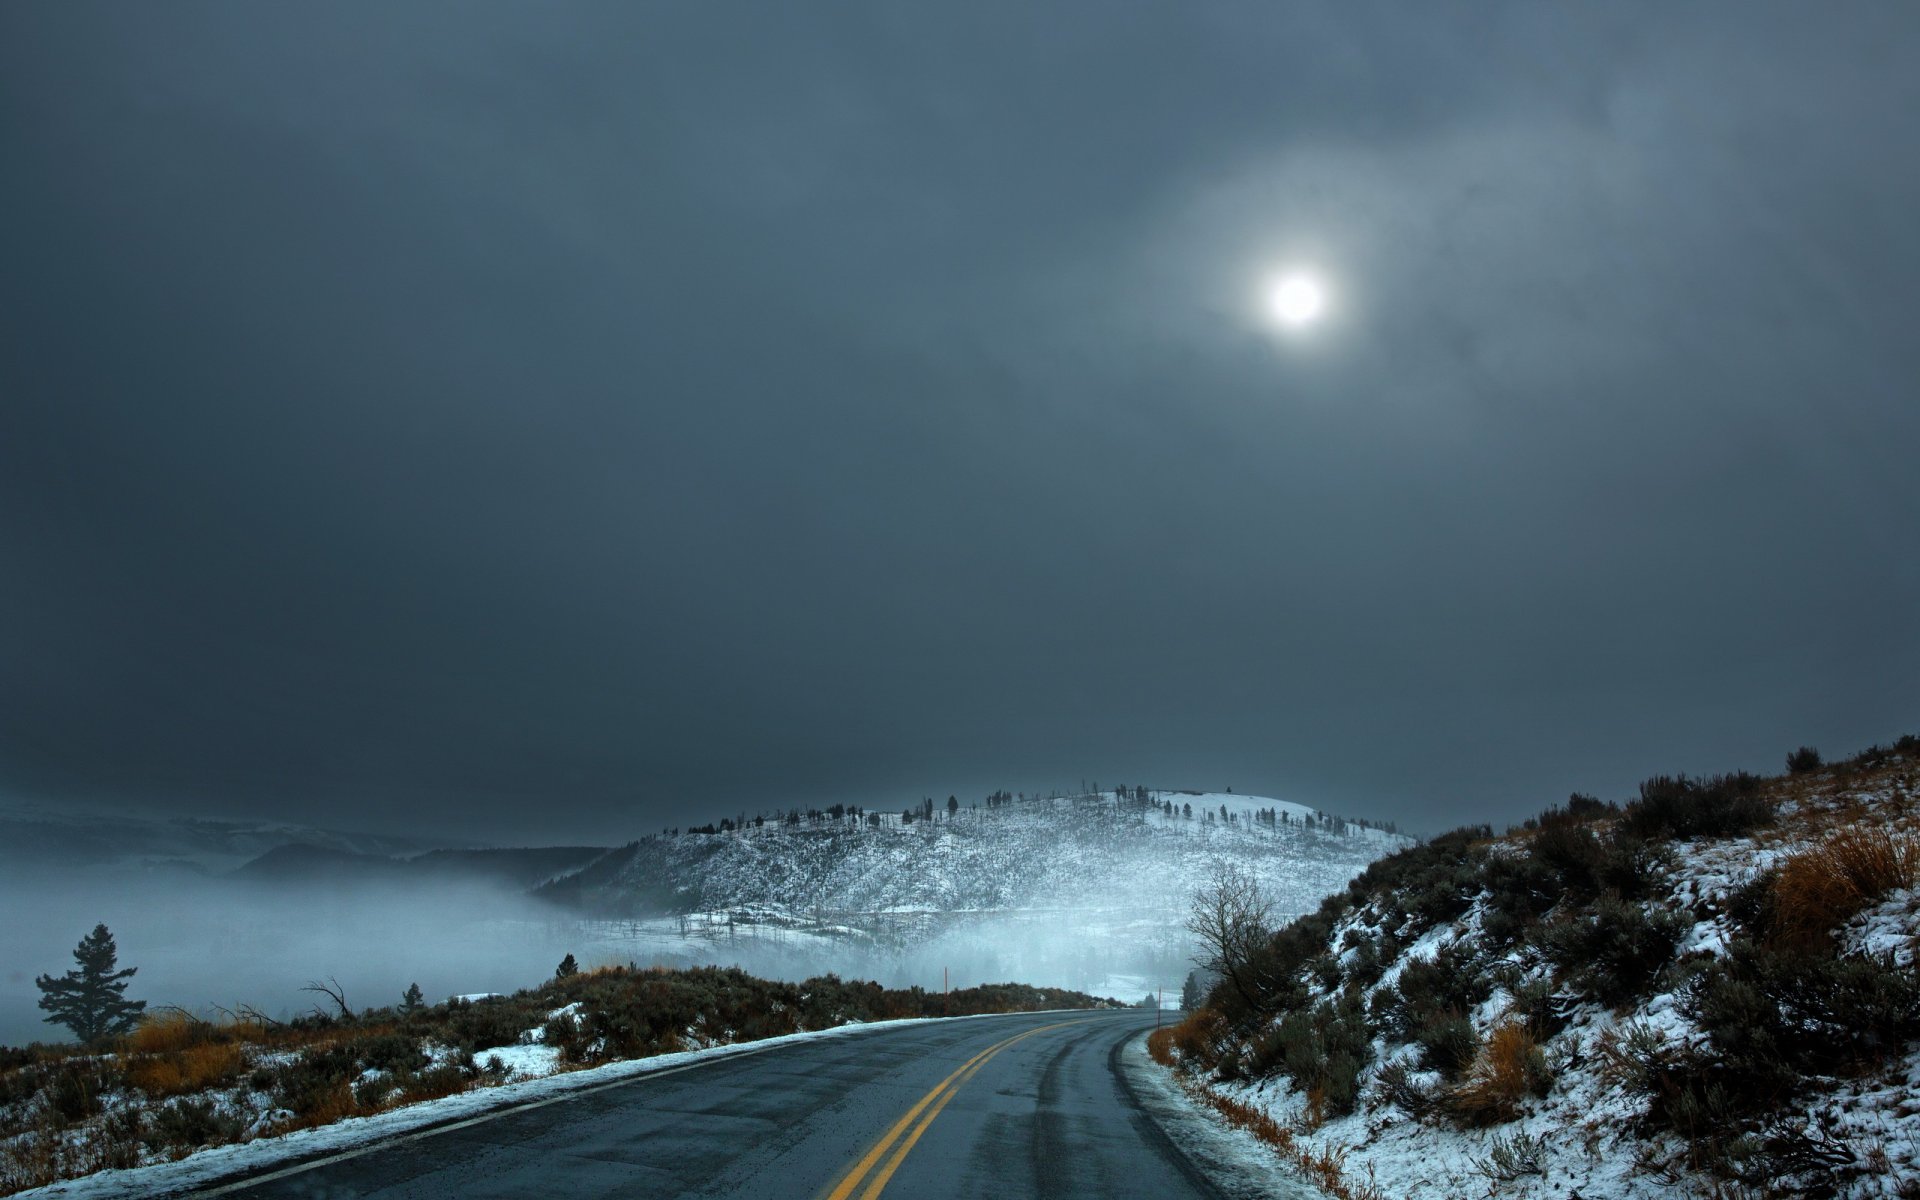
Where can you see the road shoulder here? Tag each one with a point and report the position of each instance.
(1237, 1164)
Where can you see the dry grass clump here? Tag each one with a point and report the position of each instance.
(169, 1030)
(178, 1072)
(1192, 1040)
(1819, 888)
(1509, 1068)
(1160, 1045)
(1323, 1167)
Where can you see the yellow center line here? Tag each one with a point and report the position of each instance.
(942, 1092)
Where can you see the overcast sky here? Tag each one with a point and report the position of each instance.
(539, 422)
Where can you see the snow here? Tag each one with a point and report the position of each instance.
(1237, 1162)
(1066, 891)
(522, 1062)
(213, 1165)
(1583, 1138)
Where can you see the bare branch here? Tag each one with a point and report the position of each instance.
(247, 1014)
(332, 990)
(1231, 919)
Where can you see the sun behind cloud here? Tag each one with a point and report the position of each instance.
(1296, 299)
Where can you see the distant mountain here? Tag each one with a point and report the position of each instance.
(518, 869)
(75, 835)
(1090, 852)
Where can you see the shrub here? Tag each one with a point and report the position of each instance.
(1198, 1038)
(1325, 971)
(1680, 807)
(1511, 1158)
(1635, 1056)
(1754, 906)
(1803, 760)
(193, 1123)
(1545, 1009)
(1397, 1087)
(1583, 864)
(1426, 884)
(314, 1088)
(1509, 1068)
(1322, 1051)
(1363, 964)
(1447, 1044)
(1453, 980)
(1520, 888)
(1773, 1015)
(395, 1053)
(74, 1091)
(1615, 949)
(480, 1024)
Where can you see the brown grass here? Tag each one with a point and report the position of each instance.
(1324, 1166)
(166, 1031)
(1160, 1045)
(1508, 1068)
(1822, 886)
(1193, 1041)
(191, 1070)
(1186, 1046)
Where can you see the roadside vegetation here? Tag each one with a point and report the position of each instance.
(176, 1082)
(1710, 989)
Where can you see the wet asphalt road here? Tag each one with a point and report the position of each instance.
(1017, 1106)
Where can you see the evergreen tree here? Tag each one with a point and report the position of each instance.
(567, 968)
(91, 1000)
(953, 806)
(413, 1001)
(1192, 994)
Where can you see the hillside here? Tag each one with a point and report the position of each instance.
(299, 862)
(1068, 852)
(1711, 990)
(1089, 891)
(69, 834)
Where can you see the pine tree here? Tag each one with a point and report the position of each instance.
(91, 1001)
(567, 968)
(1192, 993)
(413, 1001)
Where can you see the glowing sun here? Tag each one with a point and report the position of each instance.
(1297, 300)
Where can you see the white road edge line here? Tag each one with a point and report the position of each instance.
(221, 1189)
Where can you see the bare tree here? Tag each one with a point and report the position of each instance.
(332, 990)
(1231, 918)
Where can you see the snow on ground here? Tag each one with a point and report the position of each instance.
(1583, 1139)
(1237, 1163)
(221, 1162)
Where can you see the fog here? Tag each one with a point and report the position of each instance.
(205, 943)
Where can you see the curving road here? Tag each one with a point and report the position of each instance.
(1014, 1106)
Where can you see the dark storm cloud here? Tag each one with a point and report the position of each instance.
(552, 423)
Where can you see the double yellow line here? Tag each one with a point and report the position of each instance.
(924, 1112)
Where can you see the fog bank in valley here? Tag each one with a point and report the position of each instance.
(208, 942)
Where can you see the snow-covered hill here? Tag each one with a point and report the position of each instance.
(1092, 889)
(1077, 852)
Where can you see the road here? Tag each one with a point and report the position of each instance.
(1015, 1106)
